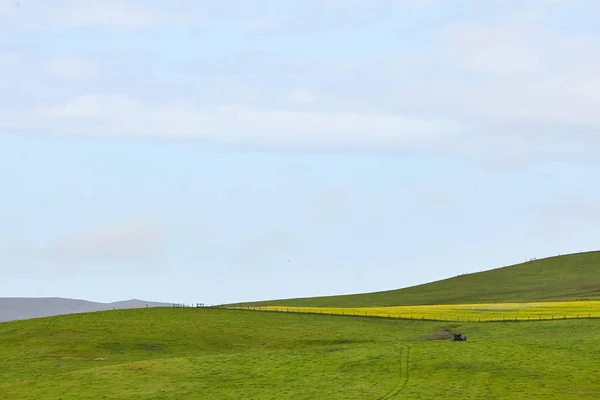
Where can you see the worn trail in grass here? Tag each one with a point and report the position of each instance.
(460, 312)
(226, 354)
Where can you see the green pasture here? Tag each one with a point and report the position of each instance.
(227, 354)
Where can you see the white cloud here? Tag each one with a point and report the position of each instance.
(574, 209)
(116, 115)
(501, 51)
(119, 242)
(569, 220)
(70, 68)
(330, 205)
(5, 7)
(9, 62)
(300, 96)
(436, 200)
(513, 88)
(228, 92)
(122, 241)
(108, 13)
(532, 75)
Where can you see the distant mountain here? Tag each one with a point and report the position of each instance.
(16, 308)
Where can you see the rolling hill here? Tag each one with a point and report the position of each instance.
(207, 353)
(17, 308)
(561, 278)
(191, 353)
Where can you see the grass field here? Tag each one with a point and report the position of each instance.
(217, 353)
(563, 278)
(226, 354)
(461, 312)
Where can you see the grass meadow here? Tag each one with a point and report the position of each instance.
(179, 353)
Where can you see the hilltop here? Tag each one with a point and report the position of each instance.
(560, 278)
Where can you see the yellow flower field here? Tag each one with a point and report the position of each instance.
(461, 312)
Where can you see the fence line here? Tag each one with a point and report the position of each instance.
(196, 305)
(441, 318)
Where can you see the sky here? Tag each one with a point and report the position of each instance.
(221, 151)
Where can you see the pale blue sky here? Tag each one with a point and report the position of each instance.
(220, 151)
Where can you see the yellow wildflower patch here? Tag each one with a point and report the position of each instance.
(461, 312)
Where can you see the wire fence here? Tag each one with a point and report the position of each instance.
(450, 317)
(192, 305)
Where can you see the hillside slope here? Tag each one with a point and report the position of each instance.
(567, 277)
(17, 308)
(207, 353)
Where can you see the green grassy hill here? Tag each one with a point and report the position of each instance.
(223, 354)
(567, 277)
(212, 353)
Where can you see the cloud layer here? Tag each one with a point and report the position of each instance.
(521, 85)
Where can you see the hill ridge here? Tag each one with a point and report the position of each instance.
(574, 276)
(17, 308)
